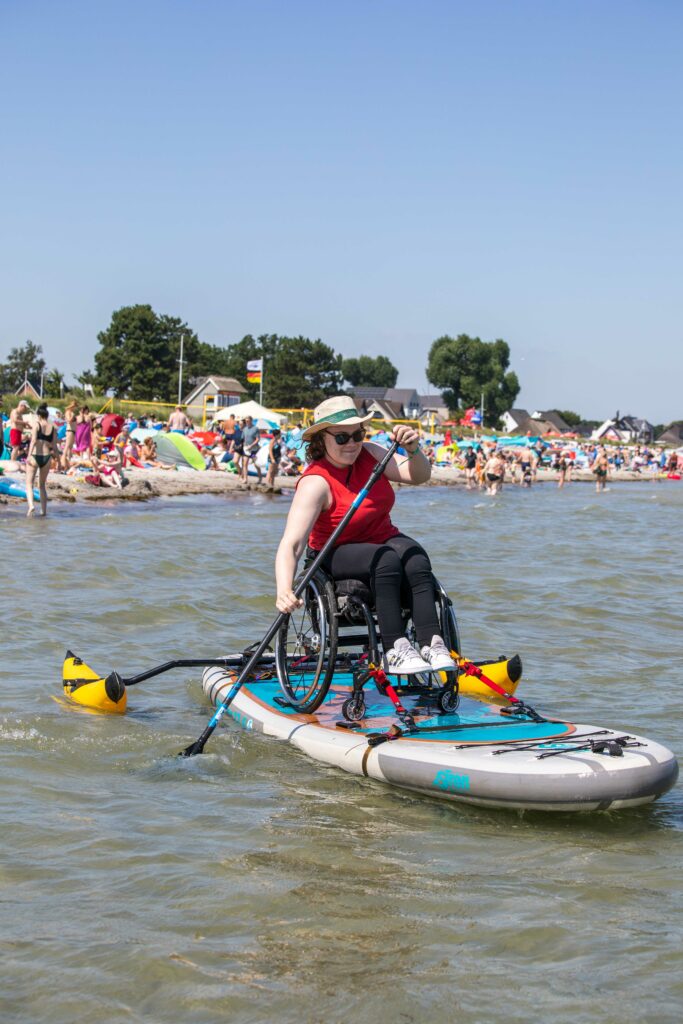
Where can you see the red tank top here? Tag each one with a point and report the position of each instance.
(371, 522)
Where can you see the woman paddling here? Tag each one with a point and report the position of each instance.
(41, 450)
(371, 548)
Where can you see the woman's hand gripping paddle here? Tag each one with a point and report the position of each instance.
(198, 746)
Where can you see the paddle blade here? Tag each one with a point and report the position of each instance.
(198, 746)
(84, 686)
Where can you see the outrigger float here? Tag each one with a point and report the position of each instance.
(488, 751)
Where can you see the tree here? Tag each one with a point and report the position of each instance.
(464, 368)
(87, 377)
(53, 384)
(301, 373)
(139, 354)
(367, 372)
(572, 419)
(232, 361)
(22, 363)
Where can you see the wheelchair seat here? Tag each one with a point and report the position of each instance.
(351, 596)
(340, 615)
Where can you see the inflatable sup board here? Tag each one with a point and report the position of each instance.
(476, 755)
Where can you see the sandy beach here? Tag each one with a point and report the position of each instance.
(144, 484)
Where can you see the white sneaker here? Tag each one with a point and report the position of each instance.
(438, 656)
(403, 660)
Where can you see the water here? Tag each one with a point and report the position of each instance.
(252, 884)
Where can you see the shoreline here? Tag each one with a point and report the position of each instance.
(146, 484)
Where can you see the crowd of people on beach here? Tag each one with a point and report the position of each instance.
(488, 465)
(101, 449)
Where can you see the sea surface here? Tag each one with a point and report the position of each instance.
(251, 884)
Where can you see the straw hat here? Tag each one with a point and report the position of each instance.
(334, 412)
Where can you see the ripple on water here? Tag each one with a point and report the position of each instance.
(142, 886)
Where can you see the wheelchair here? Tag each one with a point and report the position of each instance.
(336, 630)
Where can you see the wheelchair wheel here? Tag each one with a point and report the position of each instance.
(306, 647)
(449, 625)
(353, 709)
(449, 699)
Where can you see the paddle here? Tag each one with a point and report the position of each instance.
(198, 746)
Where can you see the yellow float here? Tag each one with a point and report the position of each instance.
(84, 687)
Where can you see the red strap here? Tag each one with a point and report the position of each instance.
(470, 669)
(380, 676)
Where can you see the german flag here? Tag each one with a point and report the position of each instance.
(254, 371)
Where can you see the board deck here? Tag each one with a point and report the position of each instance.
(473, 722)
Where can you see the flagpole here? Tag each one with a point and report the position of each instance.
(260, 397)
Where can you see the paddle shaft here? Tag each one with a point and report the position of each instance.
(198, 746)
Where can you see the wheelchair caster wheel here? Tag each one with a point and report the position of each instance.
(448, 699)
(353, 710)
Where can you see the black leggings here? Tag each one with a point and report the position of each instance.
(399, 566)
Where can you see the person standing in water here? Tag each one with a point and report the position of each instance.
(41, 450)
(601, 469)
(494, 471)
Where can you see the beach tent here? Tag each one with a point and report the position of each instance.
(257, 412)
(176, 450)
(442, 452)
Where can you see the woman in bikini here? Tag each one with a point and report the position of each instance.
(41, 450)
(274, 456)
(601, 469)
(70, 414)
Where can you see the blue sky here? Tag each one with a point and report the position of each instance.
(375, 174)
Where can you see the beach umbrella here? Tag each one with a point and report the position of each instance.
(112, 425)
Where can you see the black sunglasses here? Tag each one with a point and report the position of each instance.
(344, 438)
